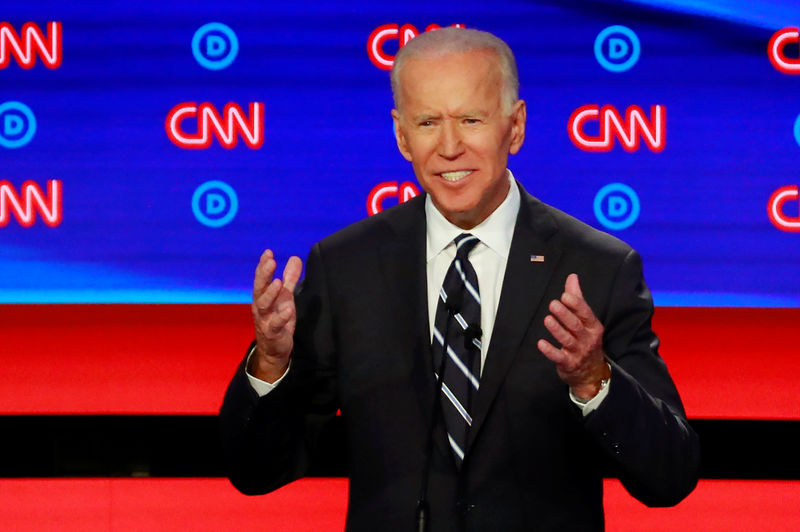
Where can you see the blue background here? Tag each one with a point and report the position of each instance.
(129, 234)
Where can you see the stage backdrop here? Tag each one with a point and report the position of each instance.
(150, 151)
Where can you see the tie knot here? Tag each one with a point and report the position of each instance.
(464, 244)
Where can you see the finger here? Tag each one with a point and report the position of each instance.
(566, 317)
(291, 273)
(573, 285)
(265, 302)
(551, 352)
(278, 321)
(574, 300)
(264, 272)
(563, 336)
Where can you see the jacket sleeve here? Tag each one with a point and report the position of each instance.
(641, 425)
(268, 441)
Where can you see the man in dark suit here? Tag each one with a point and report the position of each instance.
(561, 376)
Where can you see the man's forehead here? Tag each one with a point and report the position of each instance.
(448, 78)
(479, 57)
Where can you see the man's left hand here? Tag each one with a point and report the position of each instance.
(580, 361)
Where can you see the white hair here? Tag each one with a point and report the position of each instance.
(451, 40)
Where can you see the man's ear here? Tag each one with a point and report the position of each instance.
(402, 143)
(519, 115)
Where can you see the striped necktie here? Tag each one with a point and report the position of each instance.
(458, 317)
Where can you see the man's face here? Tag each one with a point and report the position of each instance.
(452, 127)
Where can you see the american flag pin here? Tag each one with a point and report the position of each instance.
(537, 258)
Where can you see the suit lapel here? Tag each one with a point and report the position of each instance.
(524, 284)
(402, 260)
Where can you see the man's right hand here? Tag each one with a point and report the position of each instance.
(274, 317)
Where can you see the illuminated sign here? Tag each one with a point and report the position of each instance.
(30, 201)
(796, 130)
(215, 203)
(635, 127)
(209, 122)
(392, 32)
(775, 51)
(390, 189)
(776, 212)
(214, 46)
(617, 48)
(17, 125)
(617, 206)
(29, 43)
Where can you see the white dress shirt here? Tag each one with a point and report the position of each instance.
(488, 257)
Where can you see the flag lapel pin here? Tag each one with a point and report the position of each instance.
(537, 258)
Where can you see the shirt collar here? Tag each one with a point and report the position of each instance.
(495, 231)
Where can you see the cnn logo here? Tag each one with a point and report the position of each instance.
(30, 201)
(389, 190)
(776, 208)
(634, 128)
(30, 43)
(227, 127)
(392, 32)
(776, 50)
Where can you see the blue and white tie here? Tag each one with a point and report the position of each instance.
(460, 321)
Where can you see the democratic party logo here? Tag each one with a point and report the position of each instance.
(31, 42)
(616, 206)
(31, 201)
(635, 127)
(17, 124)
(228, 127)
(617, 48)
(215, 46)
(214, 203)
(389, 190)
(776, 50)
(776, 209)
(797, 130)
(381, 35)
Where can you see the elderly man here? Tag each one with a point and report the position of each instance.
(490, 354)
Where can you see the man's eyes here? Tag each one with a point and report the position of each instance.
(466, 121)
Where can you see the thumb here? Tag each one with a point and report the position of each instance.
(573, 286)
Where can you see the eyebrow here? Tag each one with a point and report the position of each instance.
(466, 114)
(425, 116)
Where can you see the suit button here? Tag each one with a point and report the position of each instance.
(617, 448)
(470, 508)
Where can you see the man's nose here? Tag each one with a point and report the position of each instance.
(450, 142)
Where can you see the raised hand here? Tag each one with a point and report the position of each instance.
(274, 316)
(580, 361)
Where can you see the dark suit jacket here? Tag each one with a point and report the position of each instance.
(533, 462)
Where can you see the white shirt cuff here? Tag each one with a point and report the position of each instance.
(592, 404)
(262, 388)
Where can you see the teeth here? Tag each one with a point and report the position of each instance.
(455, 176)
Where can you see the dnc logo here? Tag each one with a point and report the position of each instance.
(17, 124)
(215, 203)
(215, 46)
(616, 206)
(617, 48)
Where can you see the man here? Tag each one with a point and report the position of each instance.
(557, 382)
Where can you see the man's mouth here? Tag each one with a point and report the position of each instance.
(455, 176)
